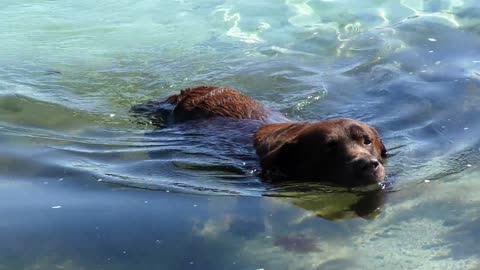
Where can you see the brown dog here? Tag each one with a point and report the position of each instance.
(341, 151)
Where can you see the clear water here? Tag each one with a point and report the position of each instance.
(84, 185)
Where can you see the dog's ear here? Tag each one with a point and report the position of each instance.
(274, 142)
(273, 158)
(383, 148)
(379, 143)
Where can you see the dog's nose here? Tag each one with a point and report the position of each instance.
(368, 164)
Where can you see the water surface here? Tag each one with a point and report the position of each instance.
(85, 185)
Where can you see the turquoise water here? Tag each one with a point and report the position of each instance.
(86, 185)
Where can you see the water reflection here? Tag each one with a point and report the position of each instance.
(332, 203)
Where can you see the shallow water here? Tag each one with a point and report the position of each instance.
(85, 185)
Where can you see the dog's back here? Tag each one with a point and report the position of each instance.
(204, 102)
(212, 101)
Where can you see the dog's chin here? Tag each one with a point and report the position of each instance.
(374, 177)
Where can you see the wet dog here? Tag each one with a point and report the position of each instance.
(341, 151)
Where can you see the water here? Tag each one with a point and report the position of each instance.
(85, 185)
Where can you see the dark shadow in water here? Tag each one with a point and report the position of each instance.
(333, 203)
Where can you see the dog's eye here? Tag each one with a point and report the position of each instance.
(367, 141)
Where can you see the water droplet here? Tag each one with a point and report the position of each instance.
(56, 207)
(432, 39)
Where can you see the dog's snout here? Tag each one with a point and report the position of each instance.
(366, 164)
(375, 163)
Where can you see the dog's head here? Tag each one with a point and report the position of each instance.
(341, 151)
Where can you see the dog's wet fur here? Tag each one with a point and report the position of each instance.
(340, 151)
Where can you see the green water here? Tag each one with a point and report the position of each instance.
(85, 185)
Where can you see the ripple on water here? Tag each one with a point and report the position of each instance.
(70, 71)
(331, 60)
